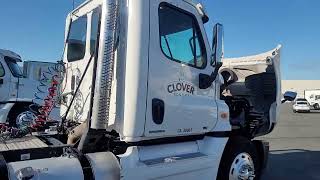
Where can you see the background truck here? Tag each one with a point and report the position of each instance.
(18, 89)
(144, 99)
(313, 97)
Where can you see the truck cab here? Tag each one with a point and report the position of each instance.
(145, 71)
(10, 72)
(157, 72)
(146, 97)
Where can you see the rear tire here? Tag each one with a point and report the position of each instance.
(14, 113)
(240, 160)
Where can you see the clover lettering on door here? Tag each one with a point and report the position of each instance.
(181, 88)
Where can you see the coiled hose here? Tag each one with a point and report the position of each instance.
(48, 102)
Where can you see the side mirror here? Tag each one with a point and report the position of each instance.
(205, 80)
(289, 96)
(217, 44)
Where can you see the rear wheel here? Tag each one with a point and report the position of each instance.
(239, 161)
(20, 115)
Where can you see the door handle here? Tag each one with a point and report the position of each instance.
(1, 81)
(157, 110)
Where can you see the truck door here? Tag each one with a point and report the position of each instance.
(4, 84)
(178, 53)
(80, 49)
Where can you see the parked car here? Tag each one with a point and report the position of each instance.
(301, 99)
(301, 106)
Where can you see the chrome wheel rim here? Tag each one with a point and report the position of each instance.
(242, 168)
(26, 118)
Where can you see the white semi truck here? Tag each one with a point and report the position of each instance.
(18, 88)
(313, 97)
(145, 100)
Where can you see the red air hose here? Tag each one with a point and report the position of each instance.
(49, 103)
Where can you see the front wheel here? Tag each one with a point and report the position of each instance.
(239, 161)
(316, 106)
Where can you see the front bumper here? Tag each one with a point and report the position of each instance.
(302, 109)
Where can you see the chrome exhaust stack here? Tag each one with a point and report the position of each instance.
(105, 66)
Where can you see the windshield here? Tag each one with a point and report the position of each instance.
(13, 66)
(77, 39)
(302, 103)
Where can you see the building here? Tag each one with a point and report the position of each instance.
(299, 86)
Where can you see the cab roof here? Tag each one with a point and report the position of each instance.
(9, 53)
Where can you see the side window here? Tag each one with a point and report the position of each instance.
(77, 39)
(1, 70)
(13, 66)
(180, 37)
(95, 19)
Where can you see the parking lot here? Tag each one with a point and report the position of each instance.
(294, 146)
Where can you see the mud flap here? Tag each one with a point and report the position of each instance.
(263, 150)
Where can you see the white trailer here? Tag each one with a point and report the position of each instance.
(35, 69)
(144, 81)
(313, 97)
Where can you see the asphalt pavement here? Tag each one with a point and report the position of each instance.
(294, 146)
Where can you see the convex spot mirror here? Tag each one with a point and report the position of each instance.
(289, 96)
(205, 80)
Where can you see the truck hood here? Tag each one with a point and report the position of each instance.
(257, 79)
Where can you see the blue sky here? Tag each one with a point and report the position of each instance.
(35, 30)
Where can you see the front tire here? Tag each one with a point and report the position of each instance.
(316, 106)
(240, 161)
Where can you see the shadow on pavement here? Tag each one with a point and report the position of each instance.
(293, 164)
(314, 112)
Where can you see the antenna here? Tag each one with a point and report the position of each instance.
(72, 4)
